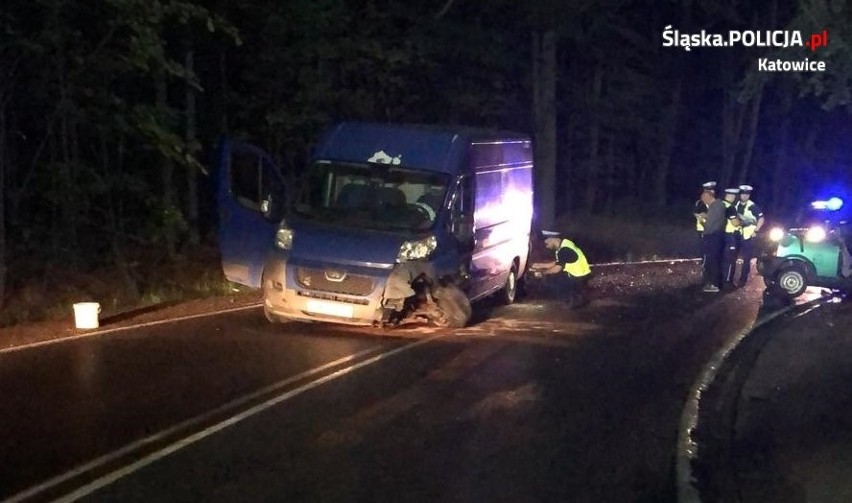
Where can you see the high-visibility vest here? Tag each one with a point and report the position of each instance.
(579, 267)
(699, 226)
(750, 229)
(730, 228)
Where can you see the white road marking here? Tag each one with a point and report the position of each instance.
(152, 439)
(161, 453)
(103, 331)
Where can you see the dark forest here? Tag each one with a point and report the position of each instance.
(110, 110)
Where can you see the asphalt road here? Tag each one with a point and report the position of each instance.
(777, 426)
(532, 403)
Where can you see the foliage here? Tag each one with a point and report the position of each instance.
(96, 155)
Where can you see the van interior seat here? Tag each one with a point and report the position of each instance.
(391, 197)
(353, 196)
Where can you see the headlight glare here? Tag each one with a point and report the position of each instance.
(776, 234)
(815, 234)
(284, 238)
(414, 250)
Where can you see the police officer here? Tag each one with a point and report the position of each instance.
(712, 241)
(700, 214)
(733, 236)
(751, 216)
(568, 275)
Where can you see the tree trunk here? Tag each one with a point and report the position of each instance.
(732, 121)
(611, 175)
(671, 120)
(593, 167)
(167, 171)
(223, 89)
(191, 145)
(670, 126)
(4, 266)
(544, 109)
(66, 200)
(125, 271)
(566, 161)
(780, 183)
(754, 119)
(755, 106)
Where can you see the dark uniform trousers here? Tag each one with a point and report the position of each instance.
(746, 253)
(567, 287)
(700, 235)
(711, 244)
(729, 257)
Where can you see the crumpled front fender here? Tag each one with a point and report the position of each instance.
(398, 286)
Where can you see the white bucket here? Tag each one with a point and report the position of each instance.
(86, 315)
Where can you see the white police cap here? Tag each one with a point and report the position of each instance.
(746, 188)
(550, 234)
(709, 185)
(732, 190)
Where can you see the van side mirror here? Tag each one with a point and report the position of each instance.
(272, 208)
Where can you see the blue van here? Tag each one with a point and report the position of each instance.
(395, 224)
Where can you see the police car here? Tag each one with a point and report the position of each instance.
(814, 251)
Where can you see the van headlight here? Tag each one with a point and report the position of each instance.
(776, 234)
(414, 250)
(284, 238)
(815, 234)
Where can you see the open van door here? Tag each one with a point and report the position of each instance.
(250, 196)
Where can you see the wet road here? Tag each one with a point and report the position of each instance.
(777, 427)
(532, 402)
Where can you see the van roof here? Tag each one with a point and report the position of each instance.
(433, 147)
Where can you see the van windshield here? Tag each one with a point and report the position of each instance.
(373, 196)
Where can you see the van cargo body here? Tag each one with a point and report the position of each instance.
(397, 223)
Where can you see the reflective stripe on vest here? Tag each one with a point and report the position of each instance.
(579, 267)
(749, 230)
(698, 225)
(730, 228)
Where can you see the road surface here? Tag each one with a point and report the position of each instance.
(532, 402)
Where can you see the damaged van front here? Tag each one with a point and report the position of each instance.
(386, 231)
(355, 250)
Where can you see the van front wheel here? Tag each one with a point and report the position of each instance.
(453, 307)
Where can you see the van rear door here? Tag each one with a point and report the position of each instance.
(247, 180)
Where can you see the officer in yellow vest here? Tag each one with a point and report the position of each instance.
(568, 274)
(751, 216)
(733, 236)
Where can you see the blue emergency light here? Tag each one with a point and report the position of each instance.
(833, 204)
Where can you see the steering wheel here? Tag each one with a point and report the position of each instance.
(426, 210)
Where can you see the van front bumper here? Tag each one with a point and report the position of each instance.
(308, 291)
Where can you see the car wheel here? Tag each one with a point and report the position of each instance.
(792, 281)
(510, 290)
(453, 305)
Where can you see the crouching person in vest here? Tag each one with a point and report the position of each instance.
(568, 275)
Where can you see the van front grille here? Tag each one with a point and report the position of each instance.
(334, 281)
